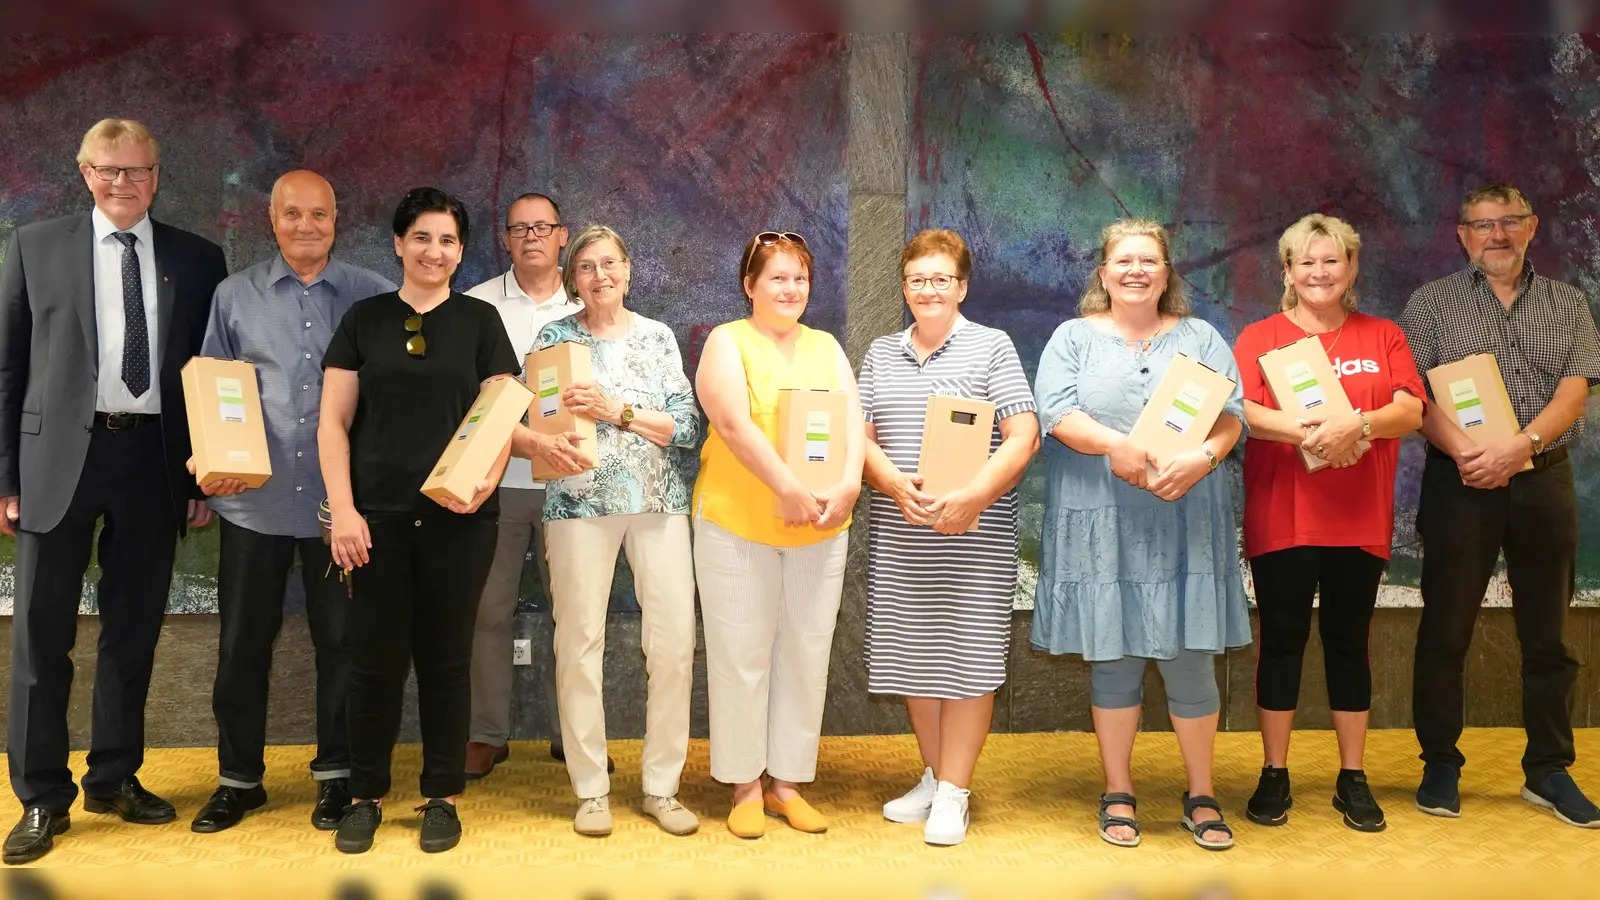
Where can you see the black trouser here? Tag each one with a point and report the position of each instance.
(252, 571)
(124, 481)
(416, 603)
(1534, 520)
(1286, 581)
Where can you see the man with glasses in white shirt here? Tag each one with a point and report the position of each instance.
(528, 297)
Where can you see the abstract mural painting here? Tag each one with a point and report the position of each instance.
(687, 145)
(1029, 145)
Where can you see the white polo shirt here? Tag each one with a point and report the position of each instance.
(523, 317)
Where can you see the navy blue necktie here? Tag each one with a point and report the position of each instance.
(136, 333)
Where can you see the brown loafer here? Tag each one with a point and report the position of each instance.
(482, 758)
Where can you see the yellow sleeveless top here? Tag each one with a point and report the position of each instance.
(728, 494)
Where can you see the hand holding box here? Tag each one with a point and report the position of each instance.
(1181, 410)
(551, 371)
(1302, 381)
(226, 431)
(1474, 394)
(475, 447)
(811, 437)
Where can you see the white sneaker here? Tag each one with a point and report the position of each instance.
(914, 806)
(947, 821)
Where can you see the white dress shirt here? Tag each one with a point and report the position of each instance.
(111, 395)
(523, 317)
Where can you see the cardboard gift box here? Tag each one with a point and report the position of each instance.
(228, 435)
(811, 436)
(549, 372)
(1302, 380)
(473, 449)
(956, 434)
(1472, 390)
(1181, 410)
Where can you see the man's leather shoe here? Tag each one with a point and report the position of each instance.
(226, 807)
(482, 758)
(32, 837)
(133, 803)
(333, 797)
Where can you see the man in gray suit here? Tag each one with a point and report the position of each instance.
(98, 313)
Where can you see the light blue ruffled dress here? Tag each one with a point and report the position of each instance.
(1123, 572)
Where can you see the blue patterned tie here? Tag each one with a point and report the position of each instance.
(136, 334)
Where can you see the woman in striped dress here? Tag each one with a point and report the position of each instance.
(941, 570)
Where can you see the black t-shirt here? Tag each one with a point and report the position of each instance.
(409, 408)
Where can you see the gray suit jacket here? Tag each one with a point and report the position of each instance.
(50, 361)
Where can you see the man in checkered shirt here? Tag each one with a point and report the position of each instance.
(1477, 501)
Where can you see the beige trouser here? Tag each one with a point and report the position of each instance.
(769, 614)
(582, 557)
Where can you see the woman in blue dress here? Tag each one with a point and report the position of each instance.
(1138, 565)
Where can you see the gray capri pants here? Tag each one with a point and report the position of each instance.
(1190, 680)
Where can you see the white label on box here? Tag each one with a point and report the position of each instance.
(549, 393)
(471, 425)
(230, 399)
(1468, 405)
(1307, 392)
(1185, 406)
(817, 430)
(239, 456)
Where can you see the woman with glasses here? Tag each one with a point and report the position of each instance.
(941, 569)
(636, 500)
(769, 583)
(401, 373)
(1137, 564)
(1322, 535)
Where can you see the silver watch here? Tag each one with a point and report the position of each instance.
(1210, 457)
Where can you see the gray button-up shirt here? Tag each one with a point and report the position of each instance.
(265, 315)
(1546, 335)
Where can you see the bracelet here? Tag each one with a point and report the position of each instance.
(1211, 458)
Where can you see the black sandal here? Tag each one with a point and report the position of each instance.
(1199, 829)
(1109, 821)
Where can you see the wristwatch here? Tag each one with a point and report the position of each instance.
(1366, 427)
(627, 415)
(1211, 458)
(1538, 442)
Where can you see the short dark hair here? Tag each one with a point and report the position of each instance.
(535, 195)
(427, 200)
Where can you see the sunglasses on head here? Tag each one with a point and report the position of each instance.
(767, 239)
(416, 344)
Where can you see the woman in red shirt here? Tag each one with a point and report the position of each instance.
(1325, 532)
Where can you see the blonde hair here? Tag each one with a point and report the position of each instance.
(1297, 240)
(117, 133)
(590, 235)
(1174, 301)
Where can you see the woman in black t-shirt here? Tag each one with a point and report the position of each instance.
(400, 374)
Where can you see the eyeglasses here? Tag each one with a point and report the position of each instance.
(608, 266)
(1129, 263)
(539, 229)
(940, 283)
(134, 173)
(767, 239)
(1512, 224)
(416, 344)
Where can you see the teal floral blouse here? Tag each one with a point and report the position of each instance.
(645, 369)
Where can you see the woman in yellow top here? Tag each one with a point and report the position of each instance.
(769, 582)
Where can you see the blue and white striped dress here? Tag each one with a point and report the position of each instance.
(939, 606)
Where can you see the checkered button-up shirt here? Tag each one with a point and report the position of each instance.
(1546, 335)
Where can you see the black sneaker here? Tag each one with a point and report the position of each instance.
(1353, 797)
(1269, 805)
(1558, 793)
(1440, 791)
(358, 827)
(441, 826)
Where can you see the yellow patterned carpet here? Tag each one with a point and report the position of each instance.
(1032, 832)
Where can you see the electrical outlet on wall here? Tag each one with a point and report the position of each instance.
(522, 652)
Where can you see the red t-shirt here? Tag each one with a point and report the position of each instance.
(1286, 506)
